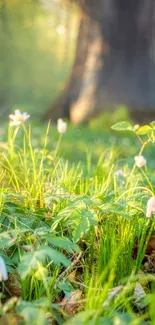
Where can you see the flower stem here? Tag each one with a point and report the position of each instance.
(58, 145)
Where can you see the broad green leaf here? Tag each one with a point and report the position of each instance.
(81, 229)
(39, 303)
(33, 316)
(81, 318)
(55, 256)
(65, 285)
(82, 201)
(41, 231)
(6, 240)
(92, 217)
(143, 129)
(64, 215)
(122, 126)
(30, 260)
(64, 243)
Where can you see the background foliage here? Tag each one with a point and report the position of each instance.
(37, 48)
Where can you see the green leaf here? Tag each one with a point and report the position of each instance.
(57, 257)
(65, 286)
(81, 229)
(31, 259)
(39, 303)
(145, 129)
(6, 240)
(92, 217)
(64, 243)
(63, 215)
(153, 124)
(81, 318)
(84, 220)
(29, 262)
(151, 135)
(33, 316)
(122, 126)
(136, 127)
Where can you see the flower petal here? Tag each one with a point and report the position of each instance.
(15, 123)
(12, 116)
(3, 270)
(18, 112)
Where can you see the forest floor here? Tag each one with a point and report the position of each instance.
(74, 235)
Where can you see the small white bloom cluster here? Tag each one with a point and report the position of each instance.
(140, 161)
(18, 118)
(3, 270)
(61, 126)
(150, 207)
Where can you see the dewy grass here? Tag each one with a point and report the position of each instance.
(75, 226)
(26, 170)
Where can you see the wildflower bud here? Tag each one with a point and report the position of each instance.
(61, 126)
(140, 161)
(3, 270)
(150, 207)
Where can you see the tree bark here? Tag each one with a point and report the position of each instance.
(114, 62)
(5, 71)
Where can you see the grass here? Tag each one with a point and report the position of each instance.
(69, 224)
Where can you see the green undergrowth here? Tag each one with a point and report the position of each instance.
(69, 224)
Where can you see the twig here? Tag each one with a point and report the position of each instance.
(65, 272)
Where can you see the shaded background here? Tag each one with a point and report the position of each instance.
(37, 42)
(77, 58)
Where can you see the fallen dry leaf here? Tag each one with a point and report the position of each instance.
(71, 276)
(4, 320)
(151, 245)
(112, 294)
(149, 265)
(50, 319)
(149, 249)
(71, 305)
(14, 285)
(139, 294)
(11, 319)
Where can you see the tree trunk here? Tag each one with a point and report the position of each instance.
(114, 63)
(5, 71)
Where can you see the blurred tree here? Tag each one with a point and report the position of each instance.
(4, 93)
(36, 53)
(114, 60)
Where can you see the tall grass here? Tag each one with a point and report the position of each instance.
(73, 226)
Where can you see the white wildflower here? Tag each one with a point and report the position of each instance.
(140, 161)
(18, 118)
(119, 172)
(3, 270)
(60, 29)
(150, 207)
(61, 126)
